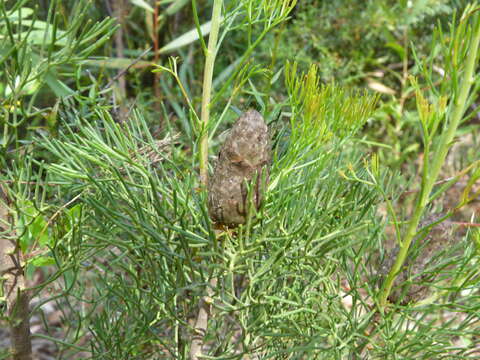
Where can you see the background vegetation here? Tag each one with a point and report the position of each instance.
(367, 243)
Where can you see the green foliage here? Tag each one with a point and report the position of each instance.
(147, 222)
(367, 44)
(460, 55)
(36, 59)
(113, 216)
(356, 36)
(324, 110)
(29, 223)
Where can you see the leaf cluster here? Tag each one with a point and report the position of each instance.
(36, 58)
(147, 241)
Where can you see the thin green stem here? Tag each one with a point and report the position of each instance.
(430, 175)
(207, 89)
(201, 323)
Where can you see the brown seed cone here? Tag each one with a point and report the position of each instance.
(243, 162)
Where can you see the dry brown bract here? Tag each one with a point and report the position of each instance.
(243, 163)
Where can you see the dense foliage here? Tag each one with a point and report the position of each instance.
(365, 245)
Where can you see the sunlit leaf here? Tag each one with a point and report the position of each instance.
(143, 4)
(379, 87)
(186, 39)
(42, 261)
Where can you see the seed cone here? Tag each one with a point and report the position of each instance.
(243, 164)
